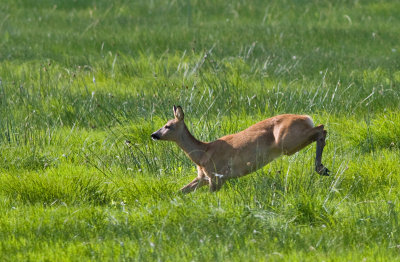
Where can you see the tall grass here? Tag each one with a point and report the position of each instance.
(84, 84)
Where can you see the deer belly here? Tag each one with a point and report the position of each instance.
(245, 164)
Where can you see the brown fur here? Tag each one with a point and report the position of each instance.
(239, 154)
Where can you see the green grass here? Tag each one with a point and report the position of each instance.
(85, 83)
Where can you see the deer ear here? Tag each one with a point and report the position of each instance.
(178, 112)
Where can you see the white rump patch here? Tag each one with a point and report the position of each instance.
(309, 121)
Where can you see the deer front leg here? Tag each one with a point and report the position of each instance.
(198, 182)
(216, 181)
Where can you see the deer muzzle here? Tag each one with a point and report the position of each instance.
(155, 136)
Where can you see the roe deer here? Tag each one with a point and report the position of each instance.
(244, 152)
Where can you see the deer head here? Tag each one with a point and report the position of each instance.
(173, 129)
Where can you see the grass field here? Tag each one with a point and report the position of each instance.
(81, 78)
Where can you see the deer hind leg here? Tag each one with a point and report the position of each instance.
(319, 167)
(317, 134)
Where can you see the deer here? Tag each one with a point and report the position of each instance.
(239, 154)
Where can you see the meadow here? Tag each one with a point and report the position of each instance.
(83, 84)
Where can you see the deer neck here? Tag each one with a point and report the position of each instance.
(193, 148)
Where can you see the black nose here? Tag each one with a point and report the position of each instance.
(155, 136)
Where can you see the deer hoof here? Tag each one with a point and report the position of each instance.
(323, 171)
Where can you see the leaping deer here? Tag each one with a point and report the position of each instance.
(239, 154)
